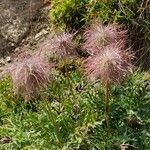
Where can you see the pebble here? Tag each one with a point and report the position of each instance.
(43, 32)
(5, 140)
(8, 59)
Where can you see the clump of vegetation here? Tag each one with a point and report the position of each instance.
(68, 14)
(133, 14)
(69, 113)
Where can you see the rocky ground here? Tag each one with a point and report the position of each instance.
(23, 24)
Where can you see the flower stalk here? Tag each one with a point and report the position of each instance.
(106, 89)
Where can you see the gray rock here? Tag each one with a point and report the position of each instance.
(41, 34)
(16, 21)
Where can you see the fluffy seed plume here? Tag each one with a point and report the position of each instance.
(29, 75)
(97, 36)
(59, 46)
(110, 65)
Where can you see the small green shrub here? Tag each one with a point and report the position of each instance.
(70, 14)
(73, 14)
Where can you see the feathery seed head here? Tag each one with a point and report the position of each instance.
(97, 36)
(110, 65)
(29, 76)
(59, 46)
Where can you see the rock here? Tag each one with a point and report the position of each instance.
(41, 34)
(16, 21)
(8, 59)
(5, 140)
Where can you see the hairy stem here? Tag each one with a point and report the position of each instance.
(106, 90)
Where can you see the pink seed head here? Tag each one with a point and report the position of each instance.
(59, 46)
(97, 36)
(110, 65)
(29, 75)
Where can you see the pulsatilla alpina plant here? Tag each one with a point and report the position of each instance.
(59, 46)
(97, 36)
(109, 61)
(29, 76)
